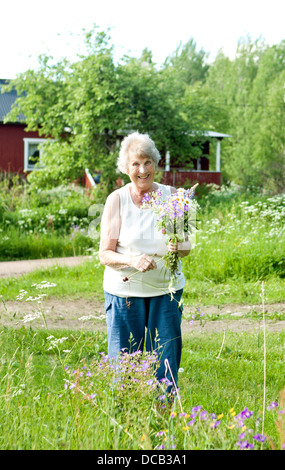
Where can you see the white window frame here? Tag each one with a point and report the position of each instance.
(27, 142)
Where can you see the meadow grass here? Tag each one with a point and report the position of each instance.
(85, 281)
(18, 245)
(58, 391)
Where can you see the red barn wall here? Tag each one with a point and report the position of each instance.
(176, 178)
(12, 147)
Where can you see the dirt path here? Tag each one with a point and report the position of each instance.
(90, 315)
(17, 268)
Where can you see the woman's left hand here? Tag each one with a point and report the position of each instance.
(172, 246)
(183, 248)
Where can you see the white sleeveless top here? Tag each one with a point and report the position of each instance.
(139, 235)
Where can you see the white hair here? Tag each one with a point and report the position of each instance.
(136, 144)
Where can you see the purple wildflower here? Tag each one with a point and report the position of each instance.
(203, 415)
(215, 424)
(272, 405)
(196, 408)
(259, 437)
(245, 413)
(244, 445)
(191, 423)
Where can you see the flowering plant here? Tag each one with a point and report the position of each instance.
(176, 218)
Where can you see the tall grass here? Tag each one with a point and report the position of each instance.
(242, 241)
(58, 391)
(16, 245)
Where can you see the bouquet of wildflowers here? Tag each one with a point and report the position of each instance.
(176, 218)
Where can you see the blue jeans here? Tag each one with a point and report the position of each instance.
(153, 321)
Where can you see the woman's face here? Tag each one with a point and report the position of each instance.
(141, 170)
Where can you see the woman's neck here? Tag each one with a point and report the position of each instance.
(137, 194)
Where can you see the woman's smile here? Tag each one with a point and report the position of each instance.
(141, 170)
(143, 177)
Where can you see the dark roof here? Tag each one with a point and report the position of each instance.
(7, 99)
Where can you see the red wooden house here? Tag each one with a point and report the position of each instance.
(18, 148)
(201, 173)
(19, 151)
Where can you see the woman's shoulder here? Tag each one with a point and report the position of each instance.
(168, 189)
(118, 197)
(114, 195)
(113, 198)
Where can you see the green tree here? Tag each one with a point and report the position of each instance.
(74, 106)
(184, 73)
(189, 64)
(86, 107)
(249, 94)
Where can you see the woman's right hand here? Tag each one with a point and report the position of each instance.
(143, 263)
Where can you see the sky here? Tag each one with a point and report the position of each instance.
(29, 28)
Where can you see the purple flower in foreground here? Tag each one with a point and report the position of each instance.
(215, 424)
(191, 423)
(246, 413)
(203, 415)
(244, 445)
(259, 437)
(196, 408)
(272, 405)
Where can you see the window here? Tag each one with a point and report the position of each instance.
(32, 153)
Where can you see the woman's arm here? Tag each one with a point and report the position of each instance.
(110, 230)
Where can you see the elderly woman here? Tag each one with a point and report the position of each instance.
(130, 242)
